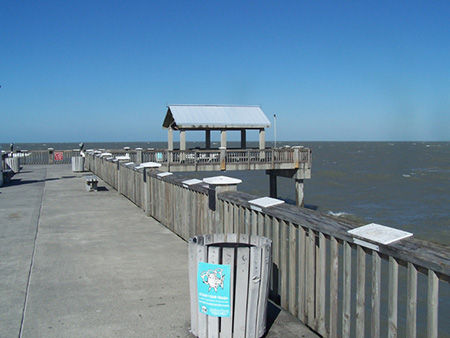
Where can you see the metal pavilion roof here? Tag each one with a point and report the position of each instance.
(202, 117)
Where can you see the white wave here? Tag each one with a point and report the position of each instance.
(338, 214)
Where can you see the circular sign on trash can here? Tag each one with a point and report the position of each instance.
(213, 285)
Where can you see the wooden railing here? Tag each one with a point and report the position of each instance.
(250, 156)
(197, 159)
(320, 275)
(45, 156)
(189, 160)
(316, 256)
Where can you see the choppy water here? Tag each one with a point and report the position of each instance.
(405, 185)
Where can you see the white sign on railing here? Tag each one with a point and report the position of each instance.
(379, 234)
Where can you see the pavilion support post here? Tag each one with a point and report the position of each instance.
(262, 144)
(273, 185)
(182, 139)
(170, 139)
(262, 139)
(299, 193)
(223, 157)
(223, 138)
(297, 174)
(208, 139)
(182, 145)
(243, 139)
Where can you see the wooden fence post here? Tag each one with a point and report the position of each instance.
(50, 155)
(219, 184)
(139, 156)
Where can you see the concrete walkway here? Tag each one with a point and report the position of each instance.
(79, 264)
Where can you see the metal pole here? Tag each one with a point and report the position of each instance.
(275, 130)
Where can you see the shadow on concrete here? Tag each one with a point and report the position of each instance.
(272, 313)
(277, 318)
(19, 181)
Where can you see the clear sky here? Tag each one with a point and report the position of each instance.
(98, 71)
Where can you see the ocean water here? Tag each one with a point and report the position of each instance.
(405, 185)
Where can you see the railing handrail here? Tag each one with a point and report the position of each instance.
(38, 156)
(317, 260)
(420, 252)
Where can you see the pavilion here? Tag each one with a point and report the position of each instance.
(209, 118)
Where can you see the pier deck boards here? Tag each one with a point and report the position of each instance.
(92, 265)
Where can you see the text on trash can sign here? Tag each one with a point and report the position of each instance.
(213, 285)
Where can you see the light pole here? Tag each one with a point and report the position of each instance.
(275, 130)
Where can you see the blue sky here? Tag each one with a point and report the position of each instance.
(98, 71)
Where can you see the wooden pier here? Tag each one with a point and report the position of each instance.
(321, 274)
(295, 162)
(92, 264)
